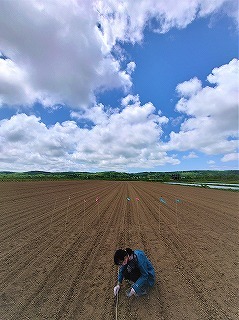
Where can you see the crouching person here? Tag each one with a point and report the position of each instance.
(137, 269)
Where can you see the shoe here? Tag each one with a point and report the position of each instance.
(143, 293)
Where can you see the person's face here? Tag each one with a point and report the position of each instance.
(125, 261)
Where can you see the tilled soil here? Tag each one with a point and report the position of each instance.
(58, 240)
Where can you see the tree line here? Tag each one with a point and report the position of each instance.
(229, 176)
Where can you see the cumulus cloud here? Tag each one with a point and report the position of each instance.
(63, 52)
(127, 19)
(129, 138)
(61, 58)
(14, 85)
(212, 113)
(211, 162)
(189, 88)
(66, 52)
(191, 155)
(230, 157)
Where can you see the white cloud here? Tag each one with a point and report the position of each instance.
(211, 162)
(127, 19)
(131, 67)
(62, 52)
(230, 157)
(191, 155)
(130, 99)
(59, 49)
(189, 88)
(212, 114)
(129, 138)
(14, 85)
(96, 114)
(65, 52)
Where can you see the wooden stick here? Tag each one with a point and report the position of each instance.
(84, 217)
(98, 212)
(117, 302)
(177, 212)
(159, 216)
(53, 214)
(138, 214)
(116, 306)
(67, 212)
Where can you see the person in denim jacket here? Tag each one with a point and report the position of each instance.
(136, 268)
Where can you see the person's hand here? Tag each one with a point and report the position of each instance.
(131, 293)
(116, 289)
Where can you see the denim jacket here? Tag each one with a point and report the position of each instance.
(147, 277)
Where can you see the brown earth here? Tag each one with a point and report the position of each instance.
(58, 242)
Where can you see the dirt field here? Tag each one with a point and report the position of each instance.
(58, 241)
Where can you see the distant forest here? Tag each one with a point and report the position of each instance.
(228, 176)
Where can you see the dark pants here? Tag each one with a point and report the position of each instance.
(133, 275)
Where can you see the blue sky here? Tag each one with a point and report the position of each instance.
(108, 85)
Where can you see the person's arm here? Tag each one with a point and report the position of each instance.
(120, 279)
(121, 274)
